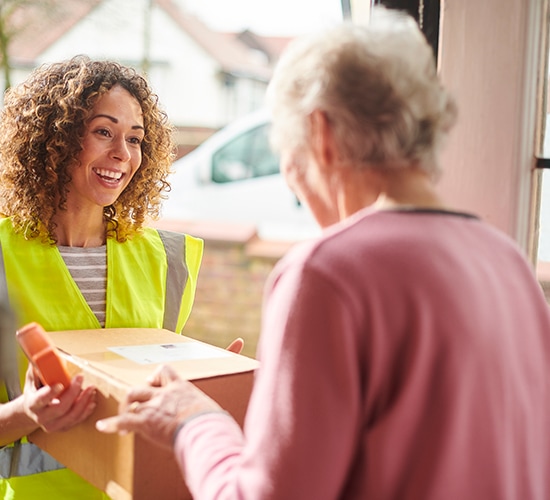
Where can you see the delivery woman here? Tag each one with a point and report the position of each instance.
(84, 151)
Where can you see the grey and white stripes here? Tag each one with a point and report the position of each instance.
(88, 267)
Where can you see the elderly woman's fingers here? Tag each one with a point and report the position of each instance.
(156, 412)
(162, 376)
(136, 396)
(148, 419)
(111, 425)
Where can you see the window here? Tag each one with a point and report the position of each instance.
(426, 13)
(543, 161)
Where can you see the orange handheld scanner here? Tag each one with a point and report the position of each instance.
(43, 355)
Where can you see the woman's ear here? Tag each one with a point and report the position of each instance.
(322, 144)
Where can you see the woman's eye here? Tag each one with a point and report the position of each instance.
(103, 131)
(135, 140)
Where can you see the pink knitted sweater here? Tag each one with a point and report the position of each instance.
(405, 355)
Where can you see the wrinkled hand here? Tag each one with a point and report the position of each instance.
(155, 411)
(55, 408)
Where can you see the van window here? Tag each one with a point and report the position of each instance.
(248, 155)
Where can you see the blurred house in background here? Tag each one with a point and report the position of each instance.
(204, 78)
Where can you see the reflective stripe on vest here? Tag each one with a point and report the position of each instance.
(176, 277)
(31, 460)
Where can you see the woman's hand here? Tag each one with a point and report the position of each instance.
(156, 411)
(236, 346)
(55, 408)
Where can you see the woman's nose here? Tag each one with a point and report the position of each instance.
(120, 150)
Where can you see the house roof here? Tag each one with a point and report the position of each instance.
(271, 46)
(36, 27)
(232, 55)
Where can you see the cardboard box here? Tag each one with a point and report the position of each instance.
(113, 360)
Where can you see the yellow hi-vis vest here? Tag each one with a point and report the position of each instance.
(151, 283)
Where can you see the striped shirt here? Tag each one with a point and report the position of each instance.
(88, 268)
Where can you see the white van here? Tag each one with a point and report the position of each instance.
(234, 177)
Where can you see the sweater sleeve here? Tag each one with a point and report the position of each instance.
(302, 422)
(208, 452)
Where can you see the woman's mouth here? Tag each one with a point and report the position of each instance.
(110, 176)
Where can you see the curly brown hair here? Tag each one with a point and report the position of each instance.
(41, 130)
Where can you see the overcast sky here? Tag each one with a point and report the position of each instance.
(267, 17)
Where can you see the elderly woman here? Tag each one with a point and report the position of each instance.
(405, 353)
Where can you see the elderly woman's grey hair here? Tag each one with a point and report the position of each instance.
(378, 87)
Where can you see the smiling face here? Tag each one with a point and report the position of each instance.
(111, 152)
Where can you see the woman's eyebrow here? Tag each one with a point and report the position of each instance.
(115, 120)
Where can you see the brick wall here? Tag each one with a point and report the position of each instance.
(234, 270)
